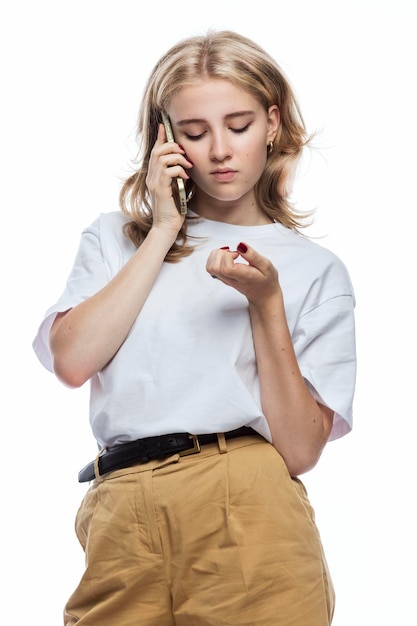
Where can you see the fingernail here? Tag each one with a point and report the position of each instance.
(242, 247)
(225, 248)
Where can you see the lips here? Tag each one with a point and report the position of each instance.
(224, 175)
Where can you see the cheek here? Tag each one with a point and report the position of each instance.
(199, 160)
(196, 158)
(257, 156)
(256, 148)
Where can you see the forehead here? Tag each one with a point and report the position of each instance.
(209, 97)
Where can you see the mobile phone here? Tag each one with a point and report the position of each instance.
(182, 196)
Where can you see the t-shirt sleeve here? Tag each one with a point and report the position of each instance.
(325, 346)
(89, 274)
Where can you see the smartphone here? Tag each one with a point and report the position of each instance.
(182, 196)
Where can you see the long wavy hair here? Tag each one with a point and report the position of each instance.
(229, 56)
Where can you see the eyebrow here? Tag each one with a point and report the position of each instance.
(196, 120)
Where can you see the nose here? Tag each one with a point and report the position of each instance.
(220, 149)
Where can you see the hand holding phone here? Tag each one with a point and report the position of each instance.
(179, 181)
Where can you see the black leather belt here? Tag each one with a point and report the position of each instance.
(144, 450)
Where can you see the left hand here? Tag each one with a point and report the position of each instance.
(257, 279)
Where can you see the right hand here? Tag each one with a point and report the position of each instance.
(166, 163)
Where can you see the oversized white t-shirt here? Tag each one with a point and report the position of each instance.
(188, 363)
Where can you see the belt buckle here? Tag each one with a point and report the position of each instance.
(195, 449)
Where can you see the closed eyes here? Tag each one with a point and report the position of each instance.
(237, 131)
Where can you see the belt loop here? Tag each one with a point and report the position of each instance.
(96, 468)
(222, 443)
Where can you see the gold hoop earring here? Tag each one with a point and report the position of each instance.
(270, 147)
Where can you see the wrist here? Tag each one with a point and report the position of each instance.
(269, 307)
(164, 235)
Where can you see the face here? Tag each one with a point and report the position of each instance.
(225, 132)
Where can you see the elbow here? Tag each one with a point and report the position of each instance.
(67, 359)
(298, 464)
(302, 455)
(70, 375)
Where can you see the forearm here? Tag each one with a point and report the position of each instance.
(299, 426)
(85, 338)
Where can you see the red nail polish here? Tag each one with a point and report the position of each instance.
(225, 248)
(242, 248)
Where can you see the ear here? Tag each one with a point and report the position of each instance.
(274, 119)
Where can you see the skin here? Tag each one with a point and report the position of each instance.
(222, 134)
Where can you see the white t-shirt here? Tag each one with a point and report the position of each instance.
(188, 363)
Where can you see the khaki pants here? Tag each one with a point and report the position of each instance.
(221, 538)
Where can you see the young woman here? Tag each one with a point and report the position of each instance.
(221, 354)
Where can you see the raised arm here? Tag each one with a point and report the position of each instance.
(300, 427)
(85, 338)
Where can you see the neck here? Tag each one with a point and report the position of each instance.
(240, 213)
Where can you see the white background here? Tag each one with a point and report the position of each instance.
(72, 75)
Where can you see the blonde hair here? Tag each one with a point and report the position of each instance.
(229, 56)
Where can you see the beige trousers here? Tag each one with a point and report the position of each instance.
(221, 538)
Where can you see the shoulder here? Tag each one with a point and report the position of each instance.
(305, 250)
(108, 229)
(311, 266)
(105, 223)
(105, 237)
(323, 259)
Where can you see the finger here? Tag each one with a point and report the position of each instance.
(173, 159)
(169, 146)
(221, 261)
(170, 154)
(254, 258)
(161, 137)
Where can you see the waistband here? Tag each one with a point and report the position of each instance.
(144, 450)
